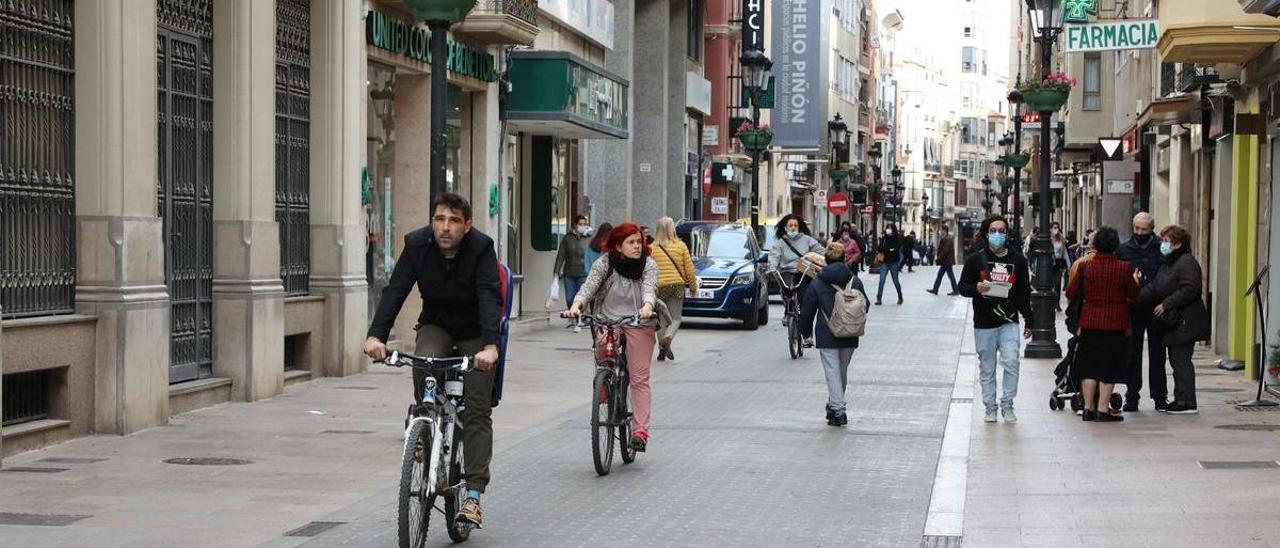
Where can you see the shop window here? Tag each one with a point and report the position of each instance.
(293, 143)
(553, 170)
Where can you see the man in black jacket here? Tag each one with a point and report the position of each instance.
(456, 271)
(996, 278)
(909, 247)
(946, 258)
(1143, 252)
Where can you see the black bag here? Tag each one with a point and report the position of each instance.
(1076, 305)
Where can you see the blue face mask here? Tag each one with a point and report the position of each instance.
(1166, 248)
(997, 239)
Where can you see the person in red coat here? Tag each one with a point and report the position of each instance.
(1107, 286)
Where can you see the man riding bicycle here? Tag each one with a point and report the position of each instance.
(791, 243)
(456, 271)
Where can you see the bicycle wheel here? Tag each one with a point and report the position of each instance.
(416, 497)
(601, 422)
(458, 531)
(624, 419)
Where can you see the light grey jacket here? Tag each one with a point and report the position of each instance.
(782, 258)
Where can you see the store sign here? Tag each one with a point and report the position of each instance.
(389, 33)
(569, 93)
(719, 205)
(1120, 187)
(752, 25)
(797, 44)
(1078, 11)
(820, 198)
(590, 18)
(1113, 35)
(710, 135)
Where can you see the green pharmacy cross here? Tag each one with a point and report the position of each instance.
(1078, 11)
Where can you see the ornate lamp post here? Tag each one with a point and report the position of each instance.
(1045, 100)
(838, 134)
(756, 67)
(1015, 99)
(897, 192)
(987, 202)
(875, 154)
(924, 217)
(439, 16)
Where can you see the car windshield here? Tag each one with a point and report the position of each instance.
(720, 244)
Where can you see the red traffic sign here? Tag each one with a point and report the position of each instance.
(838, 203)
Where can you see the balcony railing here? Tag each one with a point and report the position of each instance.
(501, 22)
(524, 10)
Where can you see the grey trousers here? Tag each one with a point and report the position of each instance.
(835, 365)
(477, 387)
(676, 308)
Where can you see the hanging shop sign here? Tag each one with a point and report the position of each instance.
(392, 34)
(558, 93)
(796, 54)
(752, 25)
(1113, 35)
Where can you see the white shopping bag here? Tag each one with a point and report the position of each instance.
(553, 293)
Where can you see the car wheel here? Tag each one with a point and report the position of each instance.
(764, 314)
(751, 321)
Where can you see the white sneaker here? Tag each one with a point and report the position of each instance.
(990, 417)
(1009, 416)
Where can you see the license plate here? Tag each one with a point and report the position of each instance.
(706, 294)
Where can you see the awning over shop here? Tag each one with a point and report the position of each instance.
(1169, 111)
(557, 93)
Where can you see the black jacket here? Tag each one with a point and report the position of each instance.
(1147, 260)
(891, 246)
(460, 295)
(822, 294)
(990, 313)
(1177, 287)
(946, 251)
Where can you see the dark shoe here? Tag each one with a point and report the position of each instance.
(839, 419)
(662, 353)
(878, 303)
(1162, 405)
(666, 347)
(899, 300)
(639, 444)
(1088, 416)
(953, 294)
(1108, 417)
(931, 291)
(831, 414)
(470, 512)
(1179, 408)
(1130, 406)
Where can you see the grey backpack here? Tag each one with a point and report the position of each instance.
(849, 312)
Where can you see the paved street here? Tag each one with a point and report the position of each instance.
(741, 456)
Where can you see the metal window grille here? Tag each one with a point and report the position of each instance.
(37, 162)
(26, 397)
(185, 179)
(293, 142)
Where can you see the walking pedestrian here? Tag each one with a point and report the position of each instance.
(946, 255)
(816, 311)
(570, 263)
(852, 250)
(1143, 252)
(1059, 257)
(889, 255)
(675, 275)
(861, 240)
(997, 280)
(909, 250)
(596, 247)
(1105, 285)
(1179, 307)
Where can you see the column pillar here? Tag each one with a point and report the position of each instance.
(411, 182)
(119, 236)
(338, 128)
(486, 140)
(650, 137)
(248, 296)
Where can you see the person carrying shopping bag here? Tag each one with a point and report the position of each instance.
(676, 274)
(570, 264)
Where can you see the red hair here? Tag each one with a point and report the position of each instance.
(620, 234)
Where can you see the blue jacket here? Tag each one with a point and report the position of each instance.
(822, 294)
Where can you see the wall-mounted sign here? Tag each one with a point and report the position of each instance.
(1078, 11)
(1120, 187)
(1113, 35)
(1110, 149)
(389, 33)
(646, 167)
(752, 25)
(719, 205)
(820, 198)
(710, 135)
(798, 120)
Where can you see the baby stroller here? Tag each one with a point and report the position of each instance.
(1067, 384)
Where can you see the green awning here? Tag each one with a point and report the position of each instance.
(557, 93)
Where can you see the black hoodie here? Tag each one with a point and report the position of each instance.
(823, 294)
(988, 312)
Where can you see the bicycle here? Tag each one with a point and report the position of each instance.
(611, 417)
(433, 459)
(791, 313)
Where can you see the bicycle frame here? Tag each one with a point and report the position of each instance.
(440, 412)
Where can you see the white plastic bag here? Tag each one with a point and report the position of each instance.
(553, 293)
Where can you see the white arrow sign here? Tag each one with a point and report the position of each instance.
(1111, 148)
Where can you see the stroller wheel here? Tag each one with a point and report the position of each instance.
(1117, 402)
(1077, 402)
(1053, 402)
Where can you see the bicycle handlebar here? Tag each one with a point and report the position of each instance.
(587, 320)
(401, 359)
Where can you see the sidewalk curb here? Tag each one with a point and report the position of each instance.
(945, 518)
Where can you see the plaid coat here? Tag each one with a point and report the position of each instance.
(1108, 287)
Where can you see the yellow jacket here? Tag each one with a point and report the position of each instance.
(675, 265)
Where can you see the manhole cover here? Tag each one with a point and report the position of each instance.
(357, 388)
(1250, 427)
(207, 461)
(1219, 390)
(44, 520)
(1238, 464)
(314, 528)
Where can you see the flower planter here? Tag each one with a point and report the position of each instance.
(1045, 100)
(755, 140)
(838, 174)
(1017, 161)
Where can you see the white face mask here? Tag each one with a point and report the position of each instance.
(584, 230)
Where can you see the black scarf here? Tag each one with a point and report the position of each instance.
(629, 268)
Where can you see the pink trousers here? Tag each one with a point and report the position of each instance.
(640, 343)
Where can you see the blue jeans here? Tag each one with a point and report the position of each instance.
(890, 269)
(571, 286)
(1005, 340)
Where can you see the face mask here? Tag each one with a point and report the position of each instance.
(1166, 248)
(793, 233)
(584, 230)
(997, 239)
(889, 232)
(1053, 231)
(1142, 239)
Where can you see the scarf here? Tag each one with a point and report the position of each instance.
(632, 269)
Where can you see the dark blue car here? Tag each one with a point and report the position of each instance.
(731, 273)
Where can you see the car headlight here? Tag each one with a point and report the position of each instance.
(744, 278)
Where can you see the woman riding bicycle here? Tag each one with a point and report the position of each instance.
(624, 285)
(792, 242)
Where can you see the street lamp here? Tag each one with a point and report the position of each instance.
(897, 192)
(756, 67)
(1047, 22)
(986, 202)
(838, 134)
(1015, 99)
(439, 16)
(875, 155)
(924, 218)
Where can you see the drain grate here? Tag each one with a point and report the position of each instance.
(941, 541)
(1238, 464)
(1250, 427)
(70, 460)
(1236, 404)
(41, 520)
(314, 528)
(356, 387)
(1219, 390)
(34, 469)
(346, 431)
(961, 400)
(207, 461)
